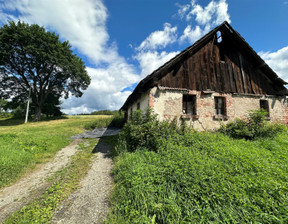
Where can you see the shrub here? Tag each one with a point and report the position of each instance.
(255, 126)
(116, 121)
(5, 115)
(19, 112)
(144, 131)
(98, 123)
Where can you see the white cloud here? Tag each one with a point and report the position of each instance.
(159, 38)
(151, 60)
(191, 34)
(278, 61)
(148, 54)
(215, 12)
(183, 9)
(83, 23)
(205, 17)
(222, 13)
(105, 90)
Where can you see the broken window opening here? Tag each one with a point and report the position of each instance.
(219, 36)
(264, 104)
(220, 46)
(138, 106)
(220, 107)
(189, 104)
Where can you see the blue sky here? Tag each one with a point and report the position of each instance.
(122, 41)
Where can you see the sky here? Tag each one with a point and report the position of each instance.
(123, 41)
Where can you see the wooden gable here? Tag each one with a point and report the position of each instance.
(223, 66)
(221, 61)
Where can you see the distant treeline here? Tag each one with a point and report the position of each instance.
(105, 112)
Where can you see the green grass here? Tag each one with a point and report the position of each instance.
(62, 185)
(22, 146)
(202, 178)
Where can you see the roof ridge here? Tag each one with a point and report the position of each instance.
(194, 47)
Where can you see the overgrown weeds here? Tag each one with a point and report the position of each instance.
(256, 125)
(192, 177)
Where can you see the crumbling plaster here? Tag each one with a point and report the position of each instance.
(167, 104)
(143, 101)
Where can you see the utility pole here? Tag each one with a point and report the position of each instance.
(27, 107)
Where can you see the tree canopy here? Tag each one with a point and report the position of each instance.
(31, 57)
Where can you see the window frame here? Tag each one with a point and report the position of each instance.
(223, 110)
(189, 106)
(265, 107)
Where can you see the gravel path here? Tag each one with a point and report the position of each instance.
(98, 133)
(14, 197)
(89, 204)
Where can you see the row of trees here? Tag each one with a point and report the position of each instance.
(33, 59)
(50, 108)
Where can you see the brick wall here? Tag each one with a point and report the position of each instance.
(168, 105)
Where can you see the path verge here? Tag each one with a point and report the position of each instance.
(14, 197)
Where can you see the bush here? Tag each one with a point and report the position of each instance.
(116, 121)
(5, 115)
(255, 126)
(19, 112)
(98, 123)
(144, 131)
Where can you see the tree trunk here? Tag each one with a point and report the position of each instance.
(37, 116)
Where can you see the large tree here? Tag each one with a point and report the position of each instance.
(31, 57)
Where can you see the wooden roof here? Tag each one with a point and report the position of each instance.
(162, 75)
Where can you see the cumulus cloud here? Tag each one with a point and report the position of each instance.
(159, 38)
(205, 17)
(83, 23)
(183, 9)
(105, 90)
(214, 12)
(151, 60)
(191, 34)
(150, 53)
(278, 61)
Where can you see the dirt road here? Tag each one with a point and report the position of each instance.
(89, 204)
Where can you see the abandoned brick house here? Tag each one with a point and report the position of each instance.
(220, 77)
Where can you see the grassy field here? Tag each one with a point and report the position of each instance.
(191, 177)
(22, 146)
